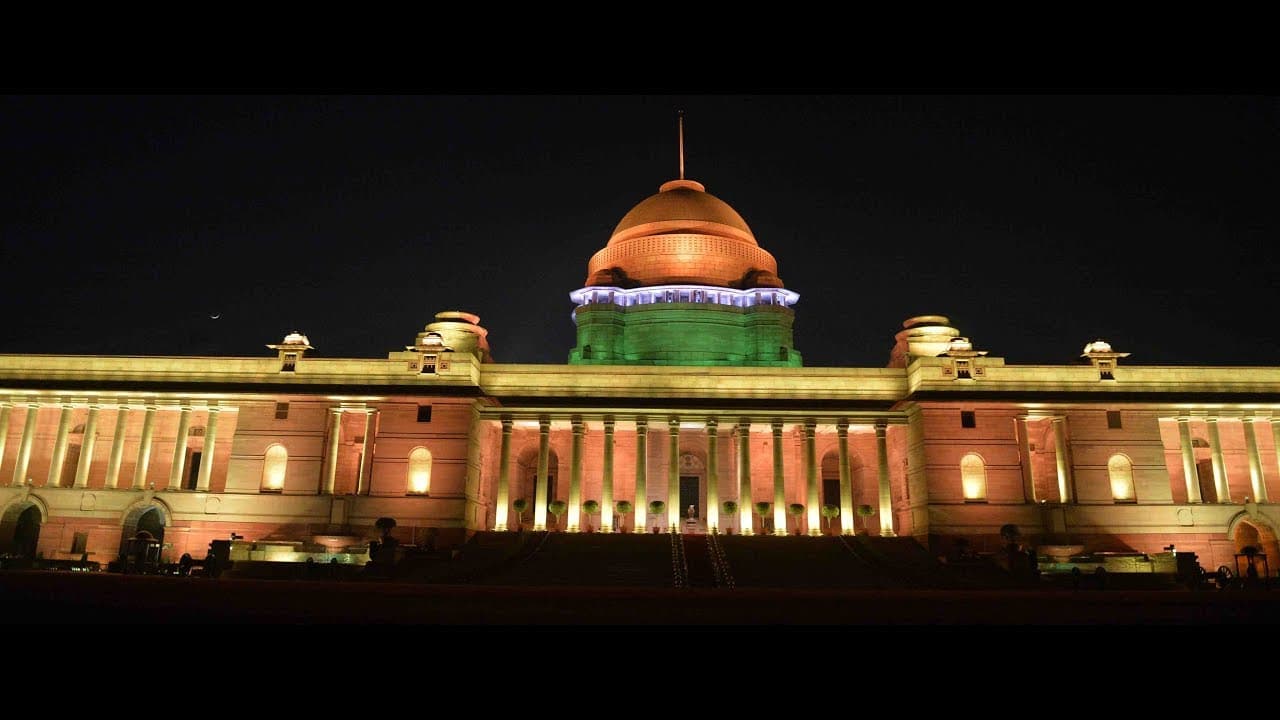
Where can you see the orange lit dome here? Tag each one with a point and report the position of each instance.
(683, 235)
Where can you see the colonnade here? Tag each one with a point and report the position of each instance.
(741, 431)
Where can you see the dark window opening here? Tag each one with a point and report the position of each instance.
(782, 353)
(586, 352)
(1113, 419)
(962, 370)
(968, 419)
(193, 472)
(424, 413)
(282, 411)
(290, 362)
(80, 543)
(428, 364)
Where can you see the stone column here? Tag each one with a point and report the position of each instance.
(574, 513)
(207, 450)
(501, 509)
(811, 478)
(713, 476)
(1024, 455)
(1064, 464)
(1219, 467)
(5, 410)
(673, 474)
(117, 448)
(847, 517)
(606, 479)
(744, 477)
(642, 473)
(363, 482)
(332, 443)
(23, 461)
(59, 448)
(779, 492)
(1188, 460)
(180, 449)
(540, 486)
(86, 448)
(144, 449)
(1255, 461)
(882, 472)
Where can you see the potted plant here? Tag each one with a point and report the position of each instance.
(830, 512)
(762, 509)
(795, 510)
(520, 505)
(590, 508)
(622, 507)
(730, 509)
(656, 507)
(865, 511)
(557, 508)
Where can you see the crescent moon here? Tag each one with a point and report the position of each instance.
(215, 317)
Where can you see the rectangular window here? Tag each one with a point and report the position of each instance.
(282, 411)
(424, 413)
(968, 419)
(1113, 419)
(428, 364)
(962, 370)
(80, 543)
(290, 362)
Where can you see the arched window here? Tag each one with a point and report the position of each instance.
(273, 468)
(973, 478)
(1121, 471)
(419, 471)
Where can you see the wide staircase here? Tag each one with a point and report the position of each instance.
(700, 570)
(590, 559)
(798, 562)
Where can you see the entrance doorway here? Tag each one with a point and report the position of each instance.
(690, 498)
(26, 535)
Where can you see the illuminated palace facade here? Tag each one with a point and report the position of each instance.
(683, 389)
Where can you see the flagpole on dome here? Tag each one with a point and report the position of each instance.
(681, 135)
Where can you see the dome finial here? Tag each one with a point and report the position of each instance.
(681, 134)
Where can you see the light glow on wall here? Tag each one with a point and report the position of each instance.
(419, 471)
(273, 467)
(1120, 468)
(973, 477)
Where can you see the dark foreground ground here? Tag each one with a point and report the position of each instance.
(63, 598)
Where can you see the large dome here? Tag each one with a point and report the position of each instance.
(683, 234)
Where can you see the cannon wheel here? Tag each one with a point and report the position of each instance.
(1224, 576)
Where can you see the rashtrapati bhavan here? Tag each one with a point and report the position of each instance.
(684, 406)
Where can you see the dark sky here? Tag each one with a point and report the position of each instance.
(1037, 223)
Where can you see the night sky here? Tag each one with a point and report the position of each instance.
(1037, 223)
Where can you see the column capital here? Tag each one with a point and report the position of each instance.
(642, 423)
(579, 427)
(544, 425)
(507, 425)
(673, 425)
(810, 427)
(713, 425)
(1211, 419)
(776, 426)
(842, 427)
(881, 429)
(1183, 418)
(608, 423)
